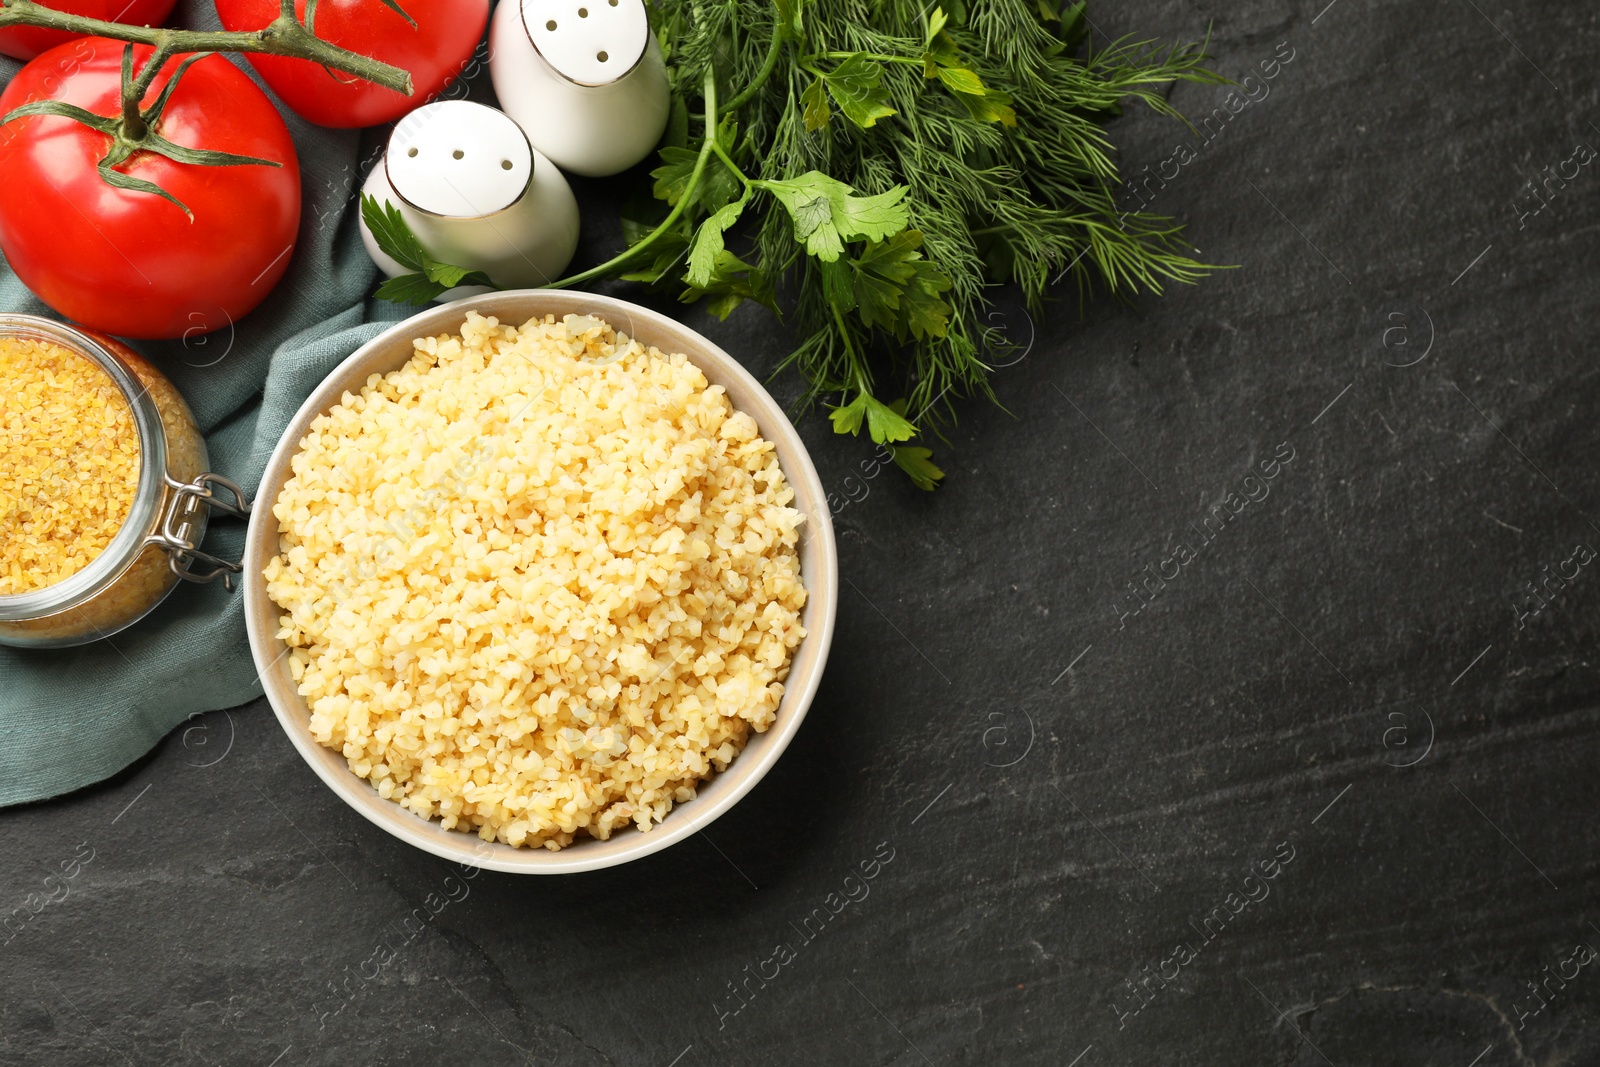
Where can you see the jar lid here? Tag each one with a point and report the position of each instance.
(591, 42)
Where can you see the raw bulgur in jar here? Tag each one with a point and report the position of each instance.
(103, 490)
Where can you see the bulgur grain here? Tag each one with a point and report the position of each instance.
(71, 466)
(539, 582)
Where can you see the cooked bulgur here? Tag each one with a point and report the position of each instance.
(539, 582)
(71, 463)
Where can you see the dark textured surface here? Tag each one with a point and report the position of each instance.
(1343, 674)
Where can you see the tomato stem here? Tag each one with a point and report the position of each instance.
(134, 124)
(283, 36)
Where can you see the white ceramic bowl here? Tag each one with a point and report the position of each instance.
(818, 561)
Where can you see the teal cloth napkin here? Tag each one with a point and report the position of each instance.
(71, 717)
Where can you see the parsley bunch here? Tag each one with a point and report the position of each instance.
(878, 166)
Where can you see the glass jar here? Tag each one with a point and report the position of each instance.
(157, 544)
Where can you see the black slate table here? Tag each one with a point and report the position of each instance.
(1306, 779)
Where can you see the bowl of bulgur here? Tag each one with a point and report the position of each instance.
(540, 582)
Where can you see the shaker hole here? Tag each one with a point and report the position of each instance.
(505, 164)
(411, 151)
(551, 25)
(457, 154)
(601, 56)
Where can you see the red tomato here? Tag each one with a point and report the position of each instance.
(132, 263)
(25, 42)
(435, 51)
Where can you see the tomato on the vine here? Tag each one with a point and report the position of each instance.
(434, 40)
(127, 260)
(25, 42)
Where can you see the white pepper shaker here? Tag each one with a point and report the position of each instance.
(584, 78)
(477, 195)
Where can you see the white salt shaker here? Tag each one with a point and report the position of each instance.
(584, 78)
(477, 195)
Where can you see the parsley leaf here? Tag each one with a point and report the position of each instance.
(881, 274)
(717, 186)
(812, 215)
(389, 229)
(826, 212)
(395, 239)
(918, 464)
(814, 102)
(413, 289)
(731, 282)
(941, 59)
(898, 290)
(708, 244)
(672, 177)
(838, 287)
(887, 424)
(884, 423)
(642, 214)
(1074, 25)
(927, 315)
(961, 80)
(447, 276)
(847, 417)
(992, 106)
(856, 85)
